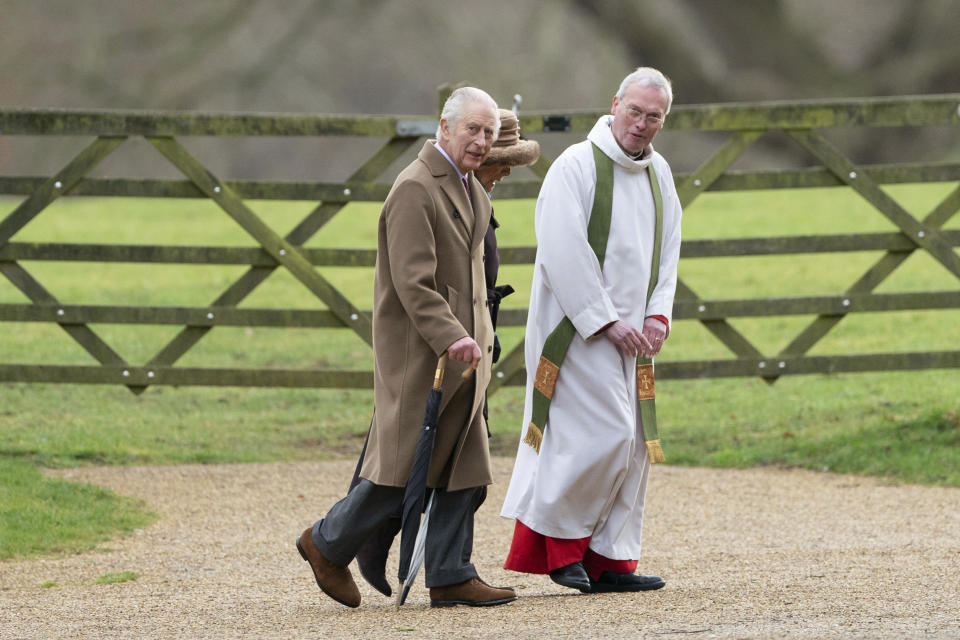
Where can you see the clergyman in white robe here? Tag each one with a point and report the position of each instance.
(589, 479)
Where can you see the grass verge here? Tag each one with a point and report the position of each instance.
(40, 515)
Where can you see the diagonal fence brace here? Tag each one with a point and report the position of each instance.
(57, 185)
(695, 184)
(281, 250)
(872, 278)
(921, 234)
(44, 195)
(256, 275)
(84, 335)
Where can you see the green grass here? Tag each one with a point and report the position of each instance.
(40, 514)
(74, 425)
(898, 425)
(116, 578)
(872, 424)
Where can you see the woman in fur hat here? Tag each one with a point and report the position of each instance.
(508, 151)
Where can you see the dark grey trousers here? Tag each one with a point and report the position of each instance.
(449, 541)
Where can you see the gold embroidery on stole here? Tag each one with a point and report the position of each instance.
(645, 384)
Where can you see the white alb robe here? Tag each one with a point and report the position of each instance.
(591, 474)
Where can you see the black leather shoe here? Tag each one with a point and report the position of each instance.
(610, 581)
(372, 555)
(573, 576)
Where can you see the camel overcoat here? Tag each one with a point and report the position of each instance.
(429, 291)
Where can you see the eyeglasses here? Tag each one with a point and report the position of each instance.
(652, 119)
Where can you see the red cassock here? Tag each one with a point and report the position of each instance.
(532, 552)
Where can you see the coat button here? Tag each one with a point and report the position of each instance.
(490, 349)
(456, 214)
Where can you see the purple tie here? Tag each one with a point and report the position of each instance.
(466, 185)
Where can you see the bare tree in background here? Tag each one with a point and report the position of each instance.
(724, 50)
(375, 56)
(721, 50)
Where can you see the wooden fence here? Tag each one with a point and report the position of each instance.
(743, 124)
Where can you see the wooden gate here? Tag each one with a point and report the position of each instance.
(743, 124)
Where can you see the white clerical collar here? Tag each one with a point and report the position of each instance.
(452, 163)
(602, 136)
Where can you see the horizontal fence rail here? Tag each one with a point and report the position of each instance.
(801, 122)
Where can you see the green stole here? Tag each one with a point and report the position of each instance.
(556, 345)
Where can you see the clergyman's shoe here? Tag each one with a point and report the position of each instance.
(610, 581)
(474, 592)
(573, 576)
(333, 580)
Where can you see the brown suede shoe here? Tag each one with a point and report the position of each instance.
(474, 592)
(334, 581)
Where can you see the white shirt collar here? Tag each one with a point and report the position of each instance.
(452, 164)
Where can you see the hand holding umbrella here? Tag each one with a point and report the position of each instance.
(466, 350)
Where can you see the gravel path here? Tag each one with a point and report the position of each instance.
(746, 554)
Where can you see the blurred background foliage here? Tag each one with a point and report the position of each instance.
(375, 56)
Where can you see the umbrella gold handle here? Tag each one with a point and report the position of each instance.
(441, 365)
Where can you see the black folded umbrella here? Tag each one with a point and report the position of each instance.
(412, 532)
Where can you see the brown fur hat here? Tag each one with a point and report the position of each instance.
(509, 149)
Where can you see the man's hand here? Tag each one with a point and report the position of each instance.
(627, 338)
(655, 332)
(465, 350)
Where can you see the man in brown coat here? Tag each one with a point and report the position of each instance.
(429, 297)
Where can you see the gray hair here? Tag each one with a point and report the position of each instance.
(648, 77)
(453, 108)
